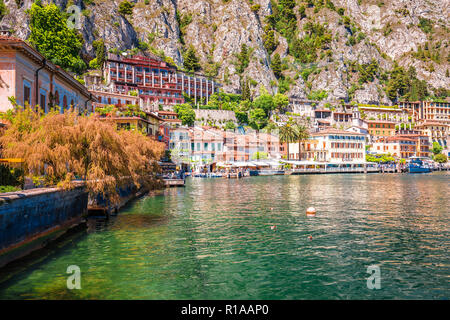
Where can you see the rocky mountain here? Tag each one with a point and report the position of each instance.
(337, 49)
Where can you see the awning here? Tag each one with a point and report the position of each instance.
(303, 163)
(267, 163)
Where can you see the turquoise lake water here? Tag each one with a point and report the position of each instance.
(213, 240)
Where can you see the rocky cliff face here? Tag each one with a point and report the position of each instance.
(390, 31)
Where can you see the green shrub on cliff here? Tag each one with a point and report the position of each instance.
(51, 36)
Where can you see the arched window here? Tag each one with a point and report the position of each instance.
(56, 98)
(72, 104)
(65, 102)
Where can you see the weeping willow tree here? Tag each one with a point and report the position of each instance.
(59, 148)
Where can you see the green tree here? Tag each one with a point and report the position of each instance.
(426, 25)
(185, 113)
(243, 59)
(126, 8)
(257, 118)
(99, 46)
(260, 156)
(230, 125)
(246, 95)
(276, 65)
(302, 134)
(52, 38)
(270, 42)
(302, 12)
(280, 101)
(241, 116)
(3, 9)
(264, 102)
(437, 148)
(288, 134)
(191, 62)
(440, 158)
(368, 71)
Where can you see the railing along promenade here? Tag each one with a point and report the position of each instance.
(335, 170)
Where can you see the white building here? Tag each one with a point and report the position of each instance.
(332, 146)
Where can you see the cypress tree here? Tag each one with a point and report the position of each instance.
(245, 90)
(276, 65)
(191, 62)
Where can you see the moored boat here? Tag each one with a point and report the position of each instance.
(418, 165)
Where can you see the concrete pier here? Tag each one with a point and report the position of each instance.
(30, 219)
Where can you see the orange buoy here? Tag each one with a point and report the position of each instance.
(310, 237)
(311, 211)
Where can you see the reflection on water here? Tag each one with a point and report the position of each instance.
(212, 240)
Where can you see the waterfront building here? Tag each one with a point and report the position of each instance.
(246, 147)
(271, 145)
(437, 131)
(206, 147)
(403, 146)
(154, 80)
(332, 146)
(201, 147)
(180, 146)
(427, 110)
(26, 75)
(380, 128)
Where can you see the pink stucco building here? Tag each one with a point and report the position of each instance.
(26, 75)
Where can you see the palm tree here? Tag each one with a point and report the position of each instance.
(302, 135)
(288, 134)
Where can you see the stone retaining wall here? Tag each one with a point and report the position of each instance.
(30, 215)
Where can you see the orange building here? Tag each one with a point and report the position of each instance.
(381, 128)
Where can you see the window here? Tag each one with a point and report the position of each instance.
(26, 92)
(42, 100)
(57, 98)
